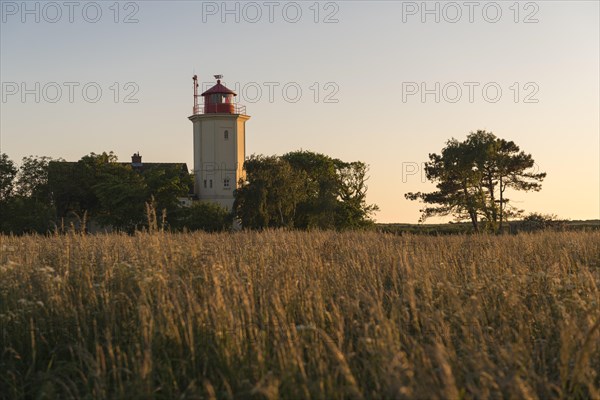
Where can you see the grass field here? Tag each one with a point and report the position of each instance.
(295, 315)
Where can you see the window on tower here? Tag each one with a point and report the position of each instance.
(210, 182)
(205, 184)
(226, 135)
(226, 183)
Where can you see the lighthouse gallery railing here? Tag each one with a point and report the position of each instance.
(220, 108)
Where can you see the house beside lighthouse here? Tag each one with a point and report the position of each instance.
(219, 127)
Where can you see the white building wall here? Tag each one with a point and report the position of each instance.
(217, 158)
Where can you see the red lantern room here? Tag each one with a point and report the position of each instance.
(217, 99)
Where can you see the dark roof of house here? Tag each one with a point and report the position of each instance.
(141, 167)
(147, 166)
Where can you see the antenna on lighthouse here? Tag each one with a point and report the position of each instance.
(196, 105)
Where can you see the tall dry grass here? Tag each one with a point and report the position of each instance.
(300, 315)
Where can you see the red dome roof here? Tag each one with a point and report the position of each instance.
(220, 89)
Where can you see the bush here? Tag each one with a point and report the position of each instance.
(536, 222)
(203, 216)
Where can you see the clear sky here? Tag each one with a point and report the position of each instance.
(369, 73)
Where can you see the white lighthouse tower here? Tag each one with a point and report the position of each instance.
(219, 144)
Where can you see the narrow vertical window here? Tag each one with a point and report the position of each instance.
(210, 183)
(205, 184)
(226, 135)
(226, 183)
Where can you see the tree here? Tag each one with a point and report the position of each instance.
(26, 204)
(472, 177)
(354, 210)
(121, 194)
(167, 184)
(320, 204)
(271, 193)
(303, 190)
(32, 179)
(8, 171)
(72, 184)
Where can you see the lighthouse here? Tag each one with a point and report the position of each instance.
(219, 143)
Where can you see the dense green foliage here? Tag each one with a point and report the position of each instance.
(300, 190)
(25, 199)
(43, 194)
(205, 216)
(114, 194)
(8, 171)
(472, 177)
(303, 190)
